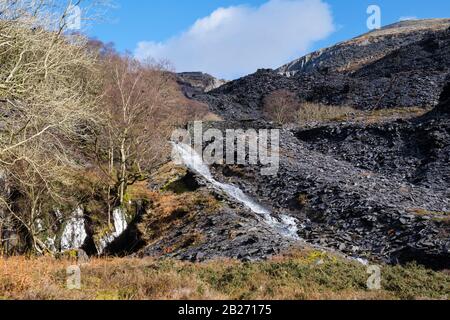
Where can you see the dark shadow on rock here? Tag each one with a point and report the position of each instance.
(421, 257)
(130, 241)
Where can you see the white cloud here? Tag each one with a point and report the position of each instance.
(407, 18)
(238, 40)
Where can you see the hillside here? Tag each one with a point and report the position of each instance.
(352, 55)
(198, 82)
(402, 65)
(377, 190)
(374, 191)
(364, 187)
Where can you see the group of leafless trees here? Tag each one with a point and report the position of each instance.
(68, 103)
(285, 107)
(142, 105)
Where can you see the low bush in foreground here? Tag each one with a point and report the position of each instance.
(306, 275)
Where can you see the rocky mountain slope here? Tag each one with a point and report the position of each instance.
(371, 191)
(361, 51)
(378, 191)
(403, 65)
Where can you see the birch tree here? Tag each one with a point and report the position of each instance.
(142, 101)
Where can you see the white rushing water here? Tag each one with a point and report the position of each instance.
(286, 226)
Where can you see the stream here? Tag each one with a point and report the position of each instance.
(285, 225)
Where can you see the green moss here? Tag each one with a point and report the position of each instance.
(103, 232)
(127, 197)
(70, 254)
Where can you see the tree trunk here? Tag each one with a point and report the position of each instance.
(122, 178)
(110, 171)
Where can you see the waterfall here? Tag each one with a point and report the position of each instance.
(286, 226)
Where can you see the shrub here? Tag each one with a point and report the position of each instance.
(281, 106)
(316, 112)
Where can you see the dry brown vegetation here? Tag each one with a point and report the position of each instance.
(281, 106)
(48, 87)
(284, 107)
(169, 210)
(314, 112)
(142, 104)
(296, 276)
(79, 123)
(381, 115)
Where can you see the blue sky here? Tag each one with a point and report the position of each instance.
(154, 22)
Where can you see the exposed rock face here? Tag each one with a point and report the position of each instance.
(74, 233)
(356, 53)
(120, 226)
(404, 65)
(198, 82)
(10, 241)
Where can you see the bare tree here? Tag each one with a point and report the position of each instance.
(57, 99)
(281, 106)
(144, 104)
(48, 97)
(140, 100)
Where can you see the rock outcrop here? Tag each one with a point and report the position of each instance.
(198, 82)
(361, 51)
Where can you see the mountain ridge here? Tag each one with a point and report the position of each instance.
(414, 27)
(408, 70)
